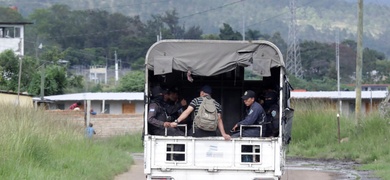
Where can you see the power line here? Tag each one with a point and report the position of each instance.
(278, 15)
(212, 9)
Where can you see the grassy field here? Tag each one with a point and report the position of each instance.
(35, 145)
(315, 135)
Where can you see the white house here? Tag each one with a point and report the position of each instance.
(370, 99)
(12, 36)
(108, 103)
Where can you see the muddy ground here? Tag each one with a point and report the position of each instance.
(296, 169)
(338, 170)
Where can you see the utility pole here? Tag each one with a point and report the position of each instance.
(359, 63)
(338, 68)
(42, 73)
(243, 20)
(105, 74)
(116, 69)
(19, 77)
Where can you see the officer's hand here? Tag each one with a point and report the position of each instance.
(234, 128)
(226, 137)
(173, 124)
(166, 124)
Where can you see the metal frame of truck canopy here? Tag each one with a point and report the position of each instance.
(213, 61)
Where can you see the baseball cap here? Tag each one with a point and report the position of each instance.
(248, 94)
(206, 89)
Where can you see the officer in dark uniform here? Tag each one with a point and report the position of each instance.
(271, 108)
(174, 105)
(158, 118)
(255, 116)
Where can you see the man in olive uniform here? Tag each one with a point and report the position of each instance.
(271, 108)
(158, 118)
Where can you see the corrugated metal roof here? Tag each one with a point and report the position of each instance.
(95, 96)
(335, 95)
(140, 96)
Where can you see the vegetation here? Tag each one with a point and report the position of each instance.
(92, 37)
(35, 145)
(315, 136)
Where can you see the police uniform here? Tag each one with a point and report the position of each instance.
(255, 116)
(273, 118)
(271, 108)
(156, 118)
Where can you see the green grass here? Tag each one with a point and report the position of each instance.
(315, 135)
(36, 145)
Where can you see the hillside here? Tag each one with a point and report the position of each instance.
(318, 20)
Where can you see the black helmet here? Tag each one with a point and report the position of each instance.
(157, 91)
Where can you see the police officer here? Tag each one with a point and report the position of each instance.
(271, 108)
(158, 118)
(255, 116)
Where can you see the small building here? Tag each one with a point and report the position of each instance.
(12, 36)
(370, 99)
(101, 103)
(372, 87)
(11, 98)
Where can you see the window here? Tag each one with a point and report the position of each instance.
(175, 152)
(61, 106)
(250, 154)
(106, 108)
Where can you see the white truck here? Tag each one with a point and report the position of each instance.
(230, 68)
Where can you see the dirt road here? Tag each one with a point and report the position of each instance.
(297, 169)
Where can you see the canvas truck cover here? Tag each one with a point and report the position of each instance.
(212, 57)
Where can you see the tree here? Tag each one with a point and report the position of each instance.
(132, 82)
(210, 36)
(227, 33)
(55, 81)
(252, 34)
(9, 64)
(10, 15)
(193, 32)
(370, 58)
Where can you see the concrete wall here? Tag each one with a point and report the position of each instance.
(7, 98)
(106, 125)
(115, 107)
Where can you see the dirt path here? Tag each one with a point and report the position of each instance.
(297, 169)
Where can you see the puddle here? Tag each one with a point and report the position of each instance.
(344, 170)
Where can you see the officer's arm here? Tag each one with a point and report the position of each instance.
(185, 114)
(152, 119)
(250, 118)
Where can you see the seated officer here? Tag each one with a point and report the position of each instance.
(271, 109)
(255, 116)
(158, 118)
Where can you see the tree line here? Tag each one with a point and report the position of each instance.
(91, 37)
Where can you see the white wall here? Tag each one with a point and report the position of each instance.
(10, 43)
(139, 107)
(115, 106)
